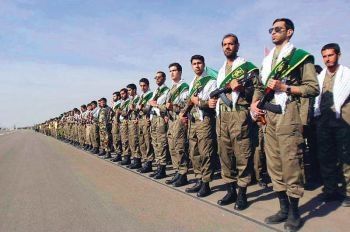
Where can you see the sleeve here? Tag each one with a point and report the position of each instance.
(309, 84)
(258, 89)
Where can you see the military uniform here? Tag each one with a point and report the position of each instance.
(104, 123)
(284, 132)
(145, 142)
(159, 130)
(116, 130)
(76, 128)
(234, 129)
(202, 132)
(82, 129)
(89, 129)
(133, 129)
(124, 131)
(333, 134)
(283, 138)
(177, 132)
(95, 130)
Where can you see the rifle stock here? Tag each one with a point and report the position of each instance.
(264, 103)
(190, 104)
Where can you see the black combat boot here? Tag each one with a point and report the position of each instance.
(172, 180)
(293, 222)
(231, 195)
(181, 181)
(262, 184)
(94, 150)
(346, 202)
(195, 188)
(126, 160)
(282, 214)
(117, 158)
(205, 190)
(147, 167)
(153, 174)
(241, 202)
(136, 164)
(108, 155)
(161, 174)
(102, 153)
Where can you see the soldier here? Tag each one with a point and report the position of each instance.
(60, 133)
(234, 123)
(133, 127)
(88, 127)
(332, 108)
(104, 123)
(65, 126)
(124, 132)
(116, 128)
(94, 128)
(201, 125)
(159, 126)
(144, 124)
(70, 121)
(289, 75)
(82, 127)
(177, 130)
(75, 127)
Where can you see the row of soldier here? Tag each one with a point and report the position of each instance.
(237, 113)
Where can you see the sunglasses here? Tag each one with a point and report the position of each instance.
(276, 29)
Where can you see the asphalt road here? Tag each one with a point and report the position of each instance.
(47, 185)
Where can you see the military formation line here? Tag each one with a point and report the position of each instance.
(252, 119)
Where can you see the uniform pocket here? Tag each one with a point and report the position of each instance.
(291, 140)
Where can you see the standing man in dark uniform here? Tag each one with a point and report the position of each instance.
(332, 108)
(296, 75)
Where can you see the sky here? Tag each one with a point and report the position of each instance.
(57, 55)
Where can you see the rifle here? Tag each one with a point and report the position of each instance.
(264, 103)
(169, 101)
(155, 98)
(128, 113)
(220, 92)
(189, 104)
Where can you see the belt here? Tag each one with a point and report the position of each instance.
(224, 108)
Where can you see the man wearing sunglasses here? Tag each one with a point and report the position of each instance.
(291, 75)
(159, 125)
